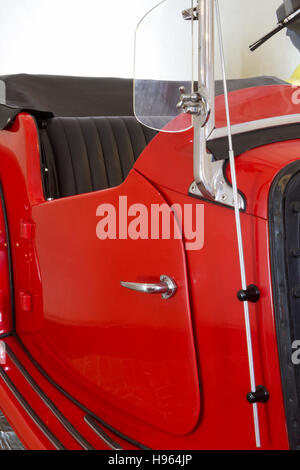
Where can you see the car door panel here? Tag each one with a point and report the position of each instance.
(133, 350)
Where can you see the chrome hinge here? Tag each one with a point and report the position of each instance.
(213, 185)
(194, 104)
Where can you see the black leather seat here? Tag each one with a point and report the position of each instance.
(80, 155)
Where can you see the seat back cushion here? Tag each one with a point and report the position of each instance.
(80, 155)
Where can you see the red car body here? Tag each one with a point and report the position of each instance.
(92, 365)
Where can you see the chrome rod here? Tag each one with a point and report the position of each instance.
(238, 230)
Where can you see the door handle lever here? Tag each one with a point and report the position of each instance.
(166, 287)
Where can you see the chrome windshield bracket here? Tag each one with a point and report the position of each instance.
(213, 185)
(209, 181)
(194, 104)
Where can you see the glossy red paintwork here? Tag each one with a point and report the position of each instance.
(127, 350)
(5, 305)
(31, 436)
(112, 349)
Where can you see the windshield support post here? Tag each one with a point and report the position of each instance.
(210, 182)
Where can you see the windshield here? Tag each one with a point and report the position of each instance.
(164, 64)
(166, 57)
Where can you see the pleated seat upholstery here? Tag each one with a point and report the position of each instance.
(83, 152)
(80, 155)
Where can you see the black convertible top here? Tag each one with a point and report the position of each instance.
(62, 96)
(70, 96)
(48, 96)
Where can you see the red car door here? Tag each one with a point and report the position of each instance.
(128, 349)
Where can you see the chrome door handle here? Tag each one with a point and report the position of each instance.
(166, 287)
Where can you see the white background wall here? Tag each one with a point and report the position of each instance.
(245, 21)
(95, 37)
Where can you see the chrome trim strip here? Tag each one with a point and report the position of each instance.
(31, 413)
(219, 133)
(92, 423)
(52, 407)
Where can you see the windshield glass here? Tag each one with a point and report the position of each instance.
(163, 65)
(164, 60)
(275, 63)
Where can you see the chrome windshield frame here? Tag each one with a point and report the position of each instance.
(206, 65)
(209, 182)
